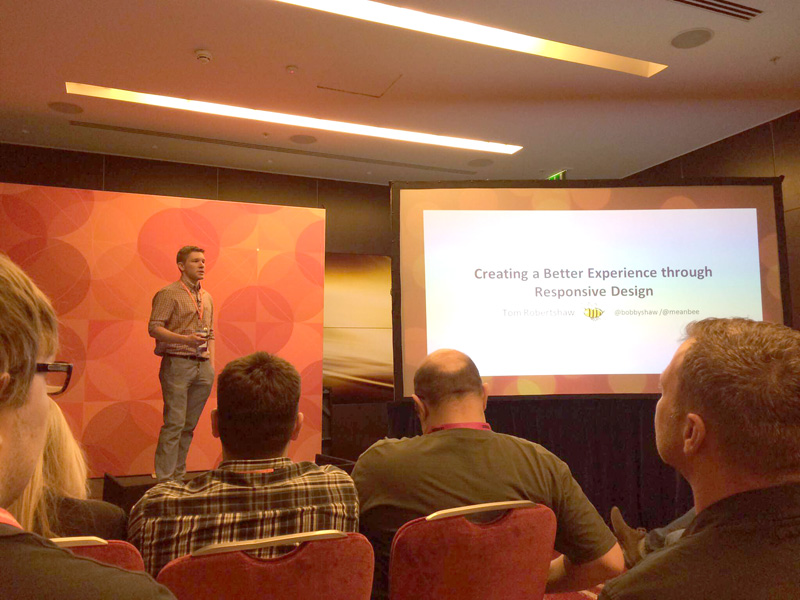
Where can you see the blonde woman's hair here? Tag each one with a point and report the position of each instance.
(28, 331)
(60, 472)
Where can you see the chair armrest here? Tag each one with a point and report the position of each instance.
(278, 540)
(478, 508)
(83, 540)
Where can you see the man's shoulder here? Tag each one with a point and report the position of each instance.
(166, 294)
(39, 569)
(163, 493)
(325, 472)
(385, 452)
(392, 447)
(396, 446)
(170, 287)
(212, 483)
(687, 570)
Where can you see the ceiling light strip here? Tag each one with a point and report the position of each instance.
(479, 34)
(225, 110)
(250, 146)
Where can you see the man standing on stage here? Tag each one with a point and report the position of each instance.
(181, 323)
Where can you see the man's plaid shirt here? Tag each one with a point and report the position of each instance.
(176, 310)
(241, 500)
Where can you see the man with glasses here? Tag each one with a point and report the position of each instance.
(181, 323)
(33, 567)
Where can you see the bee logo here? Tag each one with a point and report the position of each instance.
(593, 313)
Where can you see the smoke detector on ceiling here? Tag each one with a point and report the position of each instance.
(203, 56)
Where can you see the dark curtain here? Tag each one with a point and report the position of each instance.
(608, 443)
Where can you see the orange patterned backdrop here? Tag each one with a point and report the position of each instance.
(101, 256)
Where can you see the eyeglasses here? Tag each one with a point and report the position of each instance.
(57, 376)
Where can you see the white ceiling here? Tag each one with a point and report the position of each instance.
(595, 122)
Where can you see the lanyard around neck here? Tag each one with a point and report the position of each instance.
(198, 302)
(460, 426)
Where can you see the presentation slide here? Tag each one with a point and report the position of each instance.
(583, 292)
(580, 287)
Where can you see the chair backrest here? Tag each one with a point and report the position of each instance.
(327, 564)
(445, 555)
(112, 552)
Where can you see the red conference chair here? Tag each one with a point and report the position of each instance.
(112, 552)
(445, 555)
(327, 564)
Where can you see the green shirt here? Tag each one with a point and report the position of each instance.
(743, 546)
(400, 480)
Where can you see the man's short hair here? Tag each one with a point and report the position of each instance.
(257, 401)
(184, 253)
(447, 375)
(28, 331)
(743, 378)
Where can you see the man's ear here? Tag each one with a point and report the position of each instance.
(694, 434)
(485, 395)
(5, 379)
(181, 267)
(420, 408)
(215, 423)
(298, 425)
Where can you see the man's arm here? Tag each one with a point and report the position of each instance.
(162, 334)
(564, 576)
(163, 306)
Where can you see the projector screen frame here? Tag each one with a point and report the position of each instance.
(398, 187)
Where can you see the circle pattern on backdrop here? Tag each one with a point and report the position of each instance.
(101, 256)
(49, 211)
(58, 268)
(163, 234)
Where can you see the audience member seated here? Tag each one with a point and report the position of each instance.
(459, 461)
(55, 503)
(257, 491)
(729, 421)
(32, 566)
(636, 543)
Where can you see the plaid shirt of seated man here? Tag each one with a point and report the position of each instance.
(257, 491)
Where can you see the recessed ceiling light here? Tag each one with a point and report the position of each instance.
(303, 139)
(225, 110)
(65, 107)
(415, 20)
(692, 38)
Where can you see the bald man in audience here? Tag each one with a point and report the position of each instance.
(31, 566)
(729, 421)
(459, 461)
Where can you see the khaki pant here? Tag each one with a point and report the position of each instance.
(185, 387)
